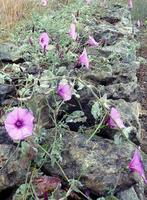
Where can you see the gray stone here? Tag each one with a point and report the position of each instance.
(116, 14)
(9, 52)
(98, 164)
(12, 168)
(129, 194)
(6, 91)
(4, 137)
(108, 33)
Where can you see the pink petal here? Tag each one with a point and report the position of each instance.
(88, 1)
(130, 4)
(74, 19)
(44, 40)
(19, 114)
(31, 40)
(12, 117)
(9, 127)
(72, 32)
(19, 134)
(83, 59)
(15, 134)
(136, 164)
(26, 131)
(28, 118)
(115, 119)
(91, 41)
(44, 2)
(65, 91)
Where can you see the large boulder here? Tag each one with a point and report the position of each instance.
(9, 53)
(6, 91)
(12, 168)
(99, 164)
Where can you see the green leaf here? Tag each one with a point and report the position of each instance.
(97, 111)
(76, 116)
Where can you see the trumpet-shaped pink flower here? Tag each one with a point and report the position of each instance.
(44, 41)
(44, 2)
(72, 31)
(139, 23)
(74, 19)
(91, 41)
(31, 40)
(115, 119)
(19, 123)
(136, 164)
(88, 1)
(83, 59)
(64, 90)
(130, 4)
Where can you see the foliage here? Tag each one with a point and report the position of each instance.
(38, 92)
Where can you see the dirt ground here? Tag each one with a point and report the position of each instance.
(142, 78)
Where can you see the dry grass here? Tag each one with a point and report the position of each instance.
(13, 11)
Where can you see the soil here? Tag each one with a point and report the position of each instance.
(142, 78)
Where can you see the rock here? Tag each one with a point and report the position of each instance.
(98, 164)
(130, 116)
(129, 194)
(4, 138)
(6, 91)
(12, 172)
(108, 33)
(123, 49)
(9, 53)
(116, 14)
(128, 92)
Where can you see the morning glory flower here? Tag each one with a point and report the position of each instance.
(44, 41)
(83, 59)
(91, 41)
(136, 164)
(64, 90)
(115, 119)
(88, 1)
(44, 2)
(19, 123)
(72, 31)
(130, 4)
(139, 23)
(31, 40)
(74, 19)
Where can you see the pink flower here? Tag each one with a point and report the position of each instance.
(83, 59)
(91, 41)
(136, 164)
(115, 119)
(88, 1)
(19, 123)
(72, 32)
(44, 41)
(44, 2)
(64, 90)
(74, 19)
(130, 4)
(139, 23)
(31, 40)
